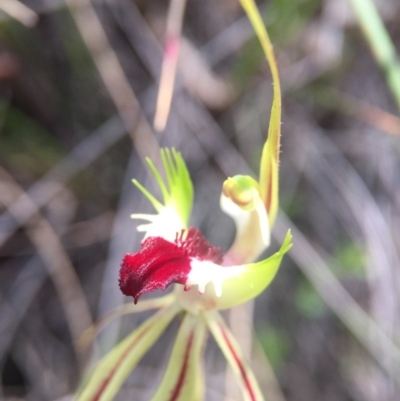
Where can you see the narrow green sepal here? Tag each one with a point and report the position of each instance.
(234, 355)
(183, 379)
(110, 373)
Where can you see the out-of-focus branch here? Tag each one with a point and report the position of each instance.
(170, 62)
(45, 381)
(360, 109)
(77, 160)
(194, 72)
(17, 301)
(57, 262)
(121, 93)
(316, 269)
(114, 77)
(374, 116)
(19, 11)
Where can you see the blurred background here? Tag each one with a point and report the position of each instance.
(78, 88)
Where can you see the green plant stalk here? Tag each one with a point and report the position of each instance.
(380, 42)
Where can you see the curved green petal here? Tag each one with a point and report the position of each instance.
(183, 380)
(234, 356)
(253, 280)
(110, 373)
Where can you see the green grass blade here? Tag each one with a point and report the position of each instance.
(381, 45)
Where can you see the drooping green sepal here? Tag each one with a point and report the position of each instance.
(183, 379)
(233, 354)
(110, 373)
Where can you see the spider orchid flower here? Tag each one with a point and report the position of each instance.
(205, 282)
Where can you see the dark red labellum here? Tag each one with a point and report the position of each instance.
(160, 263)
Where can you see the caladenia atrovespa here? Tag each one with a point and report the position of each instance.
(205, 281)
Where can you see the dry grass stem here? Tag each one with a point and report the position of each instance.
(316, 269)
(77, 160)
(170, 61)
(56, 260)
(114, 77)
(19, 11)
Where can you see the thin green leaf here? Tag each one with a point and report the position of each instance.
(381, 45)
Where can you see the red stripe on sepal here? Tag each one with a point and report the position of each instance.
(184, 369)
(107, 379)
(242, 369)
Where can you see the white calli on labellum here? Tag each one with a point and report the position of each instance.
(185, 257)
